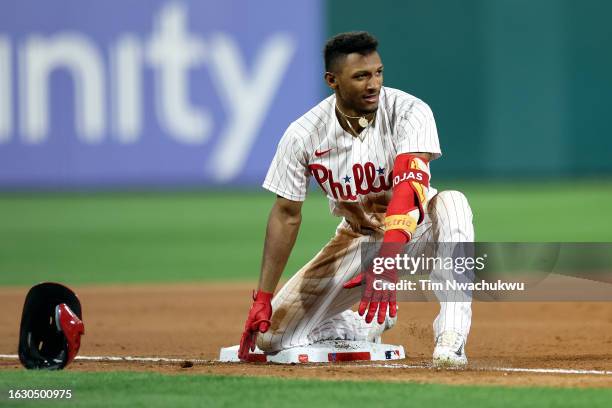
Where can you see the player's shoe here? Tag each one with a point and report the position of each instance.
(376, 331)
(450, 351)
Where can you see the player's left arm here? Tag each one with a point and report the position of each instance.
(416, 138)
(405, 211)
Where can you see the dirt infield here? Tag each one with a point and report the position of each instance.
(193, 321)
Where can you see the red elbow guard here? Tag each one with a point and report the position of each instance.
(410, 181)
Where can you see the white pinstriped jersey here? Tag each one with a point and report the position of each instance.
(354, 172)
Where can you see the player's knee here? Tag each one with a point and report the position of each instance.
(269, 341)
(453, 199)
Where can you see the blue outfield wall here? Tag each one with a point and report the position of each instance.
(168, 93)
(107, 93)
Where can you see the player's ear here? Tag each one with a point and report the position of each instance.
(330, 79)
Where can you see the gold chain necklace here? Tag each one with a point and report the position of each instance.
(363, 122)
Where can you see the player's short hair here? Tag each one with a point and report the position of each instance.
(340, 45)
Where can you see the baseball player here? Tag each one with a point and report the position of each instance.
(369, 148)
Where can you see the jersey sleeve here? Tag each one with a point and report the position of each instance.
(288, 175)
(416, 131)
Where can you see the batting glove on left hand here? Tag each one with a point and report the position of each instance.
(375, 301)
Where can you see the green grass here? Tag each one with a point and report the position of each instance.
(157, 390)
(156, 237)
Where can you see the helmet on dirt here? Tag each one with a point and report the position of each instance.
(51, 327)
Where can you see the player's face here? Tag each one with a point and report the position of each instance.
(358, 83)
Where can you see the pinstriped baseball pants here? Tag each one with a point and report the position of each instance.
(311, 305)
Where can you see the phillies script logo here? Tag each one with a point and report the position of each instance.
(366, 179)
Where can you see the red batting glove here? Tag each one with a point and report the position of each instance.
(258, 321)
(375, 301)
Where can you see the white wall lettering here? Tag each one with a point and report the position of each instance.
(247, 96)
(173, 52)
(40, 56)
(126, 73)
(6, 90)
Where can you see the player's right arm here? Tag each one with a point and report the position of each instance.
(288, 178)
(283, 226)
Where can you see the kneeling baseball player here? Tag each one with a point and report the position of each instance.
(355, 144)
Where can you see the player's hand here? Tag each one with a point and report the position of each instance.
(379, 293)
(375, 300)
(258, 321)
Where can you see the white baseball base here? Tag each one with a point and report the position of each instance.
(321, 352)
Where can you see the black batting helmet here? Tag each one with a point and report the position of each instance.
(51, 327)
